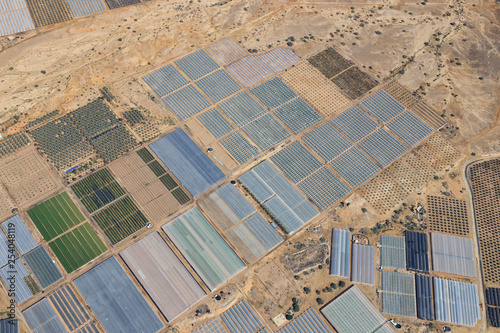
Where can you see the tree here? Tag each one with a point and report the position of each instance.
(341, 284)
(295, 300)
(288, 316)
(307, 290)
(295, 307)
(319, 301)
(318, 292)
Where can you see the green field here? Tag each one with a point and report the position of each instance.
(120, 220)
(97, 190)
(55, 216)
(145, 154)
(77, 247)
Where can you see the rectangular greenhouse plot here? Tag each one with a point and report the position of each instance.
(392, 252)
(47, 12)
(81, 8)
(55, 216)
(382, 106)
(309, 321)
(226, 51)
(239, 147)
(398, 294)
(288, 206)
(173, 289)
(409, 129)
(165, 80)
(266, 132)
(324, 188)
(366, 318)
(120, 220)
(456, 302)
(24, 240)
(340, 253)
(42, 266)
(355, 167)
(203, 248)
(14, 18)
(241, 318)
(218, 86)
(69, 307)
(297, 115)
(355, 123)
(253, 69)
(296, 162)
(382, 147)
(197, 64)
(327, 142)
(97, 190)
(77, 247)
(273, 93)
(25, 285)
(423, 290)
(417, 251)
(186, 102)
(242, 108)
(212, 326)
(187, 162)
(112, 4)
(42, 318)
(453, 255)
(115, 300)
(363, 264)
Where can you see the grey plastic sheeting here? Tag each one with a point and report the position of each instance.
(212, 326)
(327, 142)
(409, 128)
(4, 250)
(81, 8)
(456, 302)
(197, 64)
(43, 319)
(188, 162)
(89, 328)
(352, 312)
(392, 252)
(9, 326)
(69, 307)
(398, 293)
(19, 271)
(423, 291)
(273, 93)
(493, 296)
(340, 253)
(163, 276)
(296, 162)
(263, 231)
(236, 201)
(116, 301)
(289, 207)
(355, 123)
(42, 266)
(165, 80)
(218, 86)
(309, 321)
(363, 264)
(382, 147)
(417, 251)
(452, 254)
(241, 319)
(382, 106)
(14, 17)
(24, 241)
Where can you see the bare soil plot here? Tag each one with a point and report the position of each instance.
(28, 178)
(400, 94)
(308, 258)
(354, 82)
(315, 88)
(428, 115)
(277, 283)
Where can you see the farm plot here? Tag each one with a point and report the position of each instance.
(218, 85)
(409, 129)
(266, 132)
(165, 80)
(324, 188)
(252, 69)
(353, 82)
(150, 185)
(14, 18)
(47, 12)
(216, 123)
(296, 162)
(120, 220)
(400, 94)
(239, 147)
(77, 247)
(55, 216)
(315, 88)
(327, 142)
(382, 147)
(428, 115)
(81, 8)
(28, 177)
(273, 93)
(297, 115)
(197, 64)
(355, 123)
(398, 294)
(43, 268)
(12, 144)
(355, 167)
(382, 106)
(242, 108)
(226, 51)
(113, 143)
(186, 102)
(330, 62)
(69, 308)
(112, 4)
(43, 319)
(448, 215)
(25, 284)
(94, 118)
(63, 144)
(97, 190)
(203, 248)
(24, 239)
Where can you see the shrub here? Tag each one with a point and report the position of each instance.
(295, 307)
(307, 290)
(319, 301)
(341, 284)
